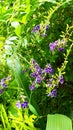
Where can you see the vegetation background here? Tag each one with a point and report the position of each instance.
(18, 45)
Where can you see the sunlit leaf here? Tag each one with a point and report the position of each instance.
(58, 122)
(15, 24)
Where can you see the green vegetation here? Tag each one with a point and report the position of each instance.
(36, 64)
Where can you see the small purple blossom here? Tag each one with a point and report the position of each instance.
(58, 44)
(53, 93)
(32, 87)
(48, 69)
(37, 68)
(33, 74)
(38, 79)
(36, 28)
(4, 85)
(53, 45)
(18, 104)
(61, 79)
(33, 61)
(60, 49)
(24, 104)
(3, 82)
(47, 27)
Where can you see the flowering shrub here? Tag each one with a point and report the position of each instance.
(35, 62)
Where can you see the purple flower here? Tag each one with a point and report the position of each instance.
(36, 66)
(53, 93)
(3, 82)
(53, 45)
(18, 104)
(33, 61)
(38, 79)
(33, 74)
(4, 85)
(38, 69)
(48, 69)
(24, 104)
(61, 80)
(47, 27)
(36, 28)
(32, 87)
(60, 49)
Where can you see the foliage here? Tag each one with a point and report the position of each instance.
(36, 43)
(16, 120)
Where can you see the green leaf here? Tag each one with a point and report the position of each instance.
(32, 109)
(17, 27)
(18, 30)
(4, 119)
(13, 111)
(58, 122)
(15, 24)
(15, 66)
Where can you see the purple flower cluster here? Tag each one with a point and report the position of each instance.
(57, 44)
(3, 83)
(53, 93)
(22, 105)
(39, 74)
(51, 84)
(32, 87)
(37, 28)
(53, 45)
(48, 69)
(60, 49)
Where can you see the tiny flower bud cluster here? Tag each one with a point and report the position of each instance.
(53, 84)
